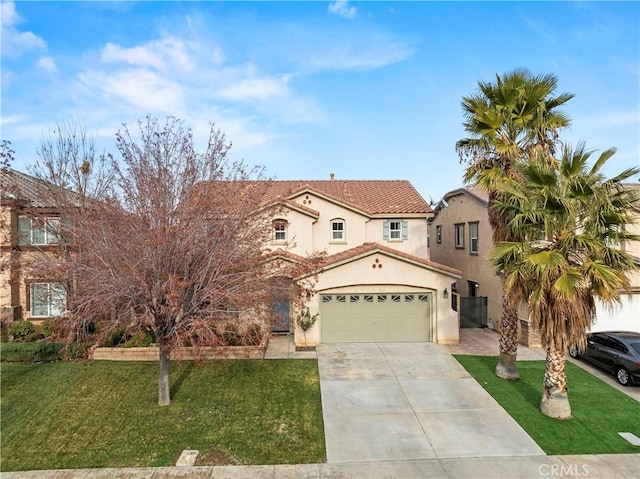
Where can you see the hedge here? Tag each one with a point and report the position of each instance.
(39, 352)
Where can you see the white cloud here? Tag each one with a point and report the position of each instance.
(343, 9)
(370, 56)
(167, 53)
(14, 41)
(251, 89)
(139, 88)
(47, 64)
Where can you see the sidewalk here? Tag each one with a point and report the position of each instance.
(623, 466)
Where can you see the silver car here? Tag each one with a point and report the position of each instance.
(615, 351)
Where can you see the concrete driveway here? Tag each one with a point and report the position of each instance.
(409, 401)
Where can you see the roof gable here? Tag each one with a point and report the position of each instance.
(367, 249)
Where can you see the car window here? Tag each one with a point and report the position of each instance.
(636, 347)
(617, 345)
(601, 340)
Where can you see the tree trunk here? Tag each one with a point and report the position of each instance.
(506, 367)
(164, 395)
(555, 400)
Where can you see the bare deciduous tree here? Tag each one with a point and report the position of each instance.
(179, 249)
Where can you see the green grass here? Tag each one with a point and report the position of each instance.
(599, 410)
(105, 414)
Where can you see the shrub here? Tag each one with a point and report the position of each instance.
(41, 352)
(113, 338)
(18, 352)
(22, 330)
(231, 338)
(139, 340)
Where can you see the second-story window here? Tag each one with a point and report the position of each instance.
(473, 238)
(395, 230)
(459, 235)
(280, 231)
(338, 230)
(439, 234)
(39, 231)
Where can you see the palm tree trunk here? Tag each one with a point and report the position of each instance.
(506, 367)
(164, 395)
(555, 400)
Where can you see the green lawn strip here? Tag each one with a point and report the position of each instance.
(105, 414)
(599, 410)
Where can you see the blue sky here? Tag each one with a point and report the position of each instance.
(365, 90)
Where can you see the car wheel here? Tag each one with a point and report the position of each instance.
(622, 375)
(573, 352)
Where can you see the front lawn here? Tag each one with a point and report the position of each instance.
(105, 414)
(600, 411)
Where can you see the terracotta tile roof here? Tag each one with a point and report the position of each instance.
(365, 248)
(15, 185)
(373, 197)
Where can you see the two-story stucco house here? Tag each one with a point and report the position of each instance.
(461, 237)
(375, 283)
(29, 227)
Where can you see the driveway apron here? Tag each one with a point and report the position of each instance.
(409, 401)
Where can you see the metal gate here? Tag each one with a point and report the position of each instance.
(473, 312)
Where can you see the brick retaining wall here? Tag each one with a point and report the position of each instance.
(152, 353)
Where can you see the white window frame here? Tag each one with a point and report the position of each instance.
(280, 231)
(474, 238)
(338, 235)
(48, 301)
(458, 230)
(47, 228)
(395, 233)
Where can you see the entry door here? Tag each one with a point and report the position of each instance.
(280, 305)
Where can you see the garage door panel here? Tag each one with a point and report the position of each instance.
(375, 317)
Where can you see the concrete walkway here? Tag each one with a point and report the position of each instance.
(404, 410)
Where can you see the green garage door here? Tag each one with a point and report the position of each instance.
(375, 317)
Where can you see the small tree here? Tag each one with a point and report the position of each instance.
(305, 320)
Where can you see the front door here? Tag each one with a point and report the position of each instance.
(280, 316)
(280, 305)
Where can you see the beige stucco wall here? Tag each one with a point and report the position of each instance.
(395, 275)
(359, 229)
(299, 233)
(474, 267)
(416, 242)
(355, 233)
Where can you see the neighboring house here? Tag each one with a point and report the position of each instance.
(29, 228)
(461, 237)
(626, 316)
(376, 283)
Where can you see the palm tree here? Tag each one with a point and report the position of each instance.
(569, 221)
(508, 119)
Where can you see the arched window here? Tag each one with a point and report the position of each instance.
(280, 227)
(338, 230)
